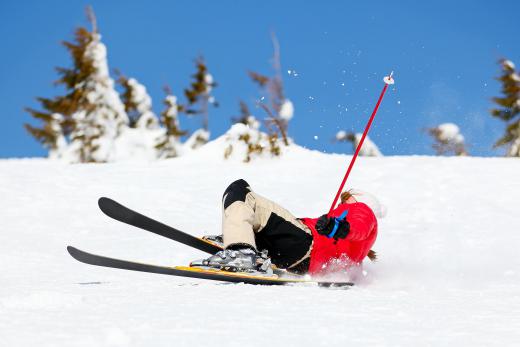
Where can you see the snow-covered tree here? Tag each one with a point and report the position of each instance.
(448, 139)
(280, 110)
(138, 103)
(246, 117)
(245, 136)
(199, 99)
(508, 108)
(197, 139)
(369, 148)
(169, 144)
(91, 115)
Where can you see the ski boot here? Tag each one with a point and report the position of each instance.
(238, 260)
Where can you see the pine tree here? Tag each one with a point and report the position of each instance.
(448, 139)
(169, 144)
(138, 103)
(90, 115)
(246, 132)
(509, 108)
(199, 99)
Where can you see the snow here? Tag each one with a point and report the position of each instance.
(450, 132)
(208, 80)
(448, 274)
(137, 144)
(287, 110)
(508, 64)
(341, 135)
(140, 97)
(369, 148)
(173, 108)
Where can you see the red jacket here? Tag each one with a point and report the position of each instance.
(362, 235)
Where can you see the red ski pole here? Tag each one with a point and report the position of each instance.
(388, 80)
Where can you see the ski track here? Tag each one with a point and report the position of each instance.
(449, 271)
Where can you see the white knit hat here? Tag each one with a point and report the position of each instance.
(371, 201)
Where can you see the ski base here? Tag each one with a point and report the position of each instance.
(193, 272)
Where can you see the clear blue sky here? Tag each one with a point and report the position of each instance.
(443, 53)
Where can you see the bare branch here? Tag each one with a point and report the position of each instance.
(91, 16)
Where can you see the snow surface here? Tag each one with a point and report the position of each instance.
(448, 274)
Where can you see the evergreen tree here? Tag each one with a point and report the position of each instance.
(169, 144)
(508, 108)
(448, 139)
(90, 115)
(138, 103)
(199, 99)
(245, 133)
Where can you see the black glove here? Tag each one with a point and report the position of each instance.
(325, 226)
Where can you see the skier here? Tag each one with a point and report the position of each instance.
(257, 231)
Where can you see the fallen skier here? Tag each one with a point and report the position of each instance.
(257, 231)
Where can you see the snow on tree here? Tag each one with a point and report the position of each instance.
(199, 99)
(246, 142)
(246, 117)
(199, 138)
(91, 113)
(169, 144)
(245, 136)
(138, 103)
(508, 108)
(60, 143)
(448, 139)
(280, 110)
(369, 148)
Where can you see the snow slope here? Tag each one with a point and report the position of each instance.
(448, 274)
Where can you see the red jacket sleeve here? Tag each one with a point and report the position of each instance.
(362, 221)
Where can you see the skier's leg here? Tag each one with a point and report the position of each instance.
(287, 240)
(248, 220)
(239, 252)
(238, 215)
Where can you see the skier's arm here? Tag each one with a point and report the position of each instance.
(361, 224)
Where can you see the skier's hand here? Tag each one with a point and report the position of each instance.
(326, 225)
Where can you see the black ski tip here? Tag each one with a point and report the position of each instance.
(103, 201)
(113, 209)
(73, 251)
(81, 256)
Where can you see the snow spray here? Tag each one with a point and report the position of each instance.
(388, 80)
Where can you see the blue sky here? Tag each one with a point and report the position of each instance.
(443, 53)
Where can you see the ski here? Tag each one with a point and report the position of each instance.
(115, 210)
(192, 272)
(119, 212)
